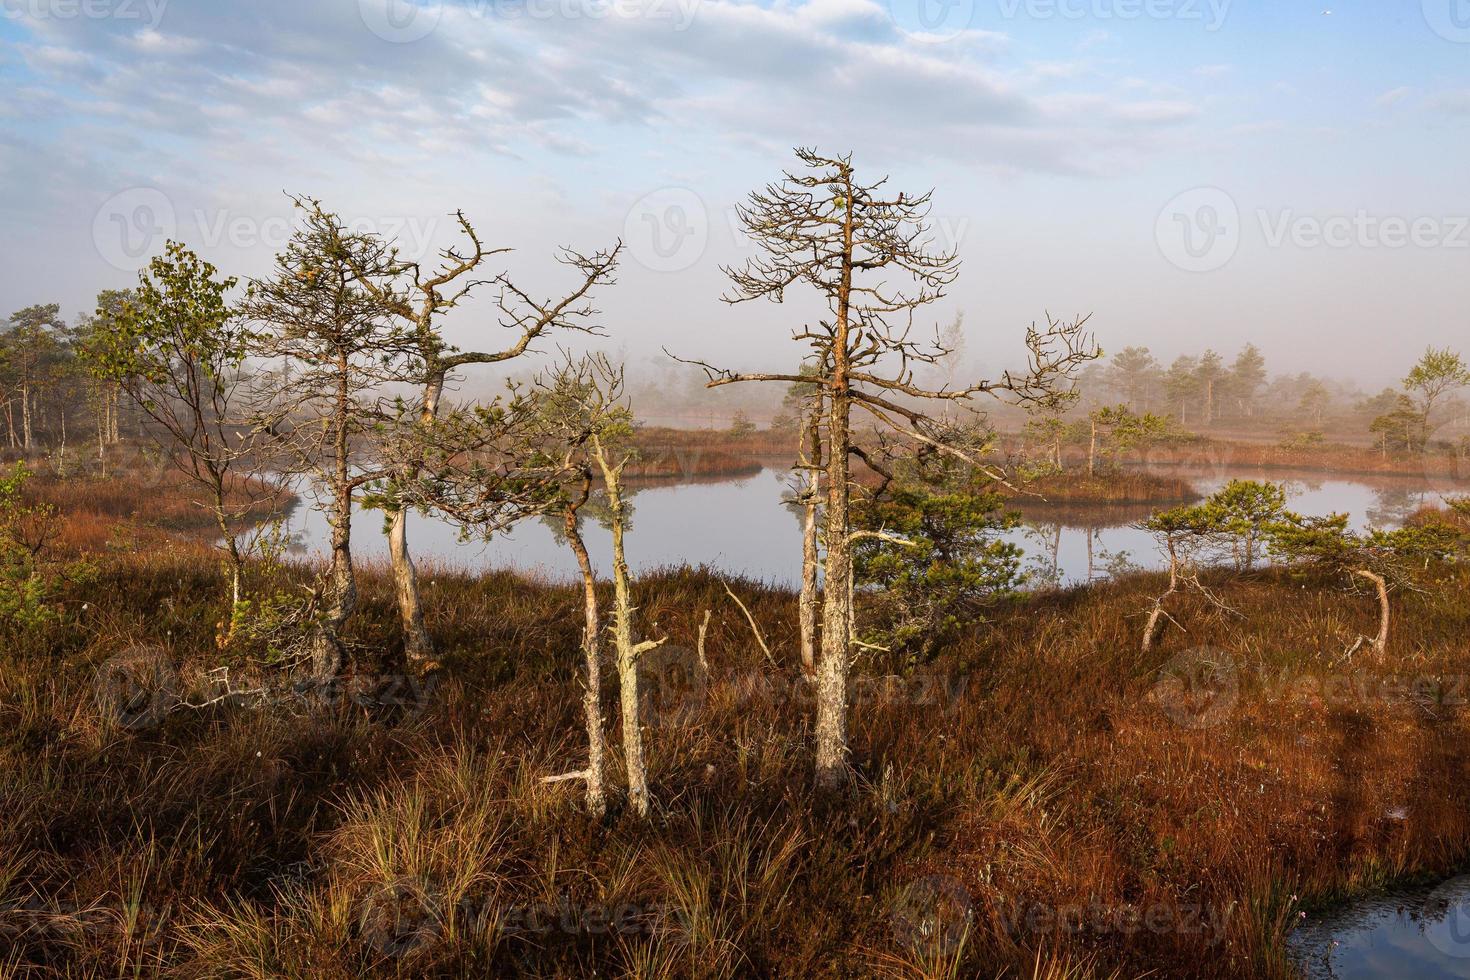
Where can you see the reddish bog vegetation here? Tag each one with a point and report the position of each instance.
(1041, 800)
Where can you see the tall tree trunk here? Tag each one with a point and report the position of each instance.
(418, 644)
(326, 657)
(832, 672)
(592, 666)
(628, 652)
(25, 416)
(1092, 450)
(236, 566)
(807, 603)
(1380, 642)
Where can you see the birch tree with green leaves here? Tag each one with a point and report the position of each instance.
(176, 348)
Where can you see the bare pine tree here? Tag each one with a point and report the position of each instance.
(868, 254)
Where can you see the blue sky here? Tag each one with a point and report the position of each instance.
(1067, 142)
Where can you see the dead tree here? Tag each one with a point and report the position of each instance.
(330, 349)
(488, 467)
(420, 299)
(594, 775)
(868, 254)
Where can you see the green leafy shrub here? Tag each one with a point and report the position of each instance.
(929, 561)
(30, 583)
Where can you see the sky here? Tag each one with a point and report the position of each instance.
(1193, 173)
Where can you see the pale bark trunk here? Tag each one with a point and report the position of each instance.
(1156, 617)
(326, 656)
(25, 417)
(627, 651)
(418, 647)
(592, 665)
(1380, 642)
(418, 644)
(832, 672)
(1092, 451)
(236, 563)
(807, 603)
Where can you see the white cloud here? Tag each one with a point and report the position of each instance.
(1393, 97)
(835, 69)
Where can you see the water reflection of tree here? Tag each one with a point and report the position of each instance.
(1044, 552)
(597, 510)
(1043, 555)
(791, 498)
(1393, 505)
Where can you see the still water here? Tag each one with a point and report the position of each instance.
(744, 528)
(1424, 934)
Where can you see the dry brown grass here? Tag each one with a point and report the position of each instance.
(1106, 487)
(1436, 464)
(1037, 771)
